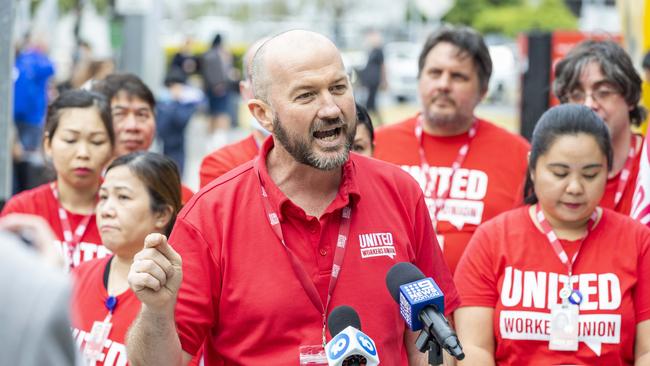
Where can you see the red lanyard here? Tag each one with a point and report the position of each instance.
(625, 173)
(70, 239)
(298, 268)
(555, 242)
(424, 165)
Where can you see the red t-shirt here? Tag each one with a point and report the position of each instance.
(225, 159)
(489, 181)
(612, 272)
(41, 202)
(186, 194)
(240, 290)
(625, 204)
(88, 299)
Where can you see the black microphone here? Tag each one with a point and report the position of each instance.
(422, 305)
(341, 317)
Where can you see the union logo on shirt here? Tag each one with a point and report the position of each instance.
(114, 353)
(465, 191)
(377, 245)
(532, 294)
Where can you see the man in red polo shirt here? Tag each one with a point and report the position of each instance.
(270, 248)
(469, 169)
(224, 159)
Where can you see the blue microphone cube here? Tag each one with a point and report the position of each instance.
(415, 296)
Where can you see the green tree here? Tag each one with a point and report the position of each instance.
(466, 11)
(511, 20)
(69, 5)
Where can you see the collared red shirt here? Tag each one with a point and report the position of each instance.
(240, 294)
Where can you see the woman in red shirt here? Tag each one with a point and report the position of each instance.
(79, 140)
(560, 280)
(140, 195)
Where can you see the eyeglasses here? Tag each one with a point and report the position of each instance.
(599, 95)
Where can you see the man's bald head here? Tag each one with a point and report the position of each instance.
(282, 49)
(247, 61)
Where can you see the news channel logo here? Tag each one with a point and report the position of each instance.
(339, 345)
(421, 290)
(405, 309)
(367, 344)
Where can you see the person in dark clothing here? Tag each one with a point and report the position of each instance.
(174, 109)
(373, 75)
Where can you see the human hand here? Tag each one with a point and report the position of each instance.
(156, 274)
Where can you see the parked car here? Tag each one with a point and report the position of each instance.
(401, 63)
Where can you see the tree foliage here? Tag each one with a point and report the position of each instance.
(69, 5)
(511, 17)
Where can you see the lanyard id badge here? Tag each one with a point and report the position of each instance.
(564, 327)
(627, 170)
(312, 355)
(99, 333)
(300, 272)
(97, 338)
(70, 239)
(429, 189)
(564, 316)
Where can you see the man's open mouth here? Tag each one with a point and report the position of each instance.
(327, 135)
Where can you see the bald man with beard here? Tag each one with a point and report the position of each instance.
(271, 247)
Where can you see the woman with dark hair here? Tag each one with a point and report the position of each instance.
(364, 140)
(79, 140)
(140, 195)
(560, 280)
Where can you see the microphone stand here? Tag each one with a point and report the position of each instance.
(425, 342)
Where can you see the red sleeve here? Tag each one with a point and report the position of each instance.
(429, 258)
(642, 290)
(186, 194)
(212, 167)
(13, 206)
(197, 304)
(475, 277)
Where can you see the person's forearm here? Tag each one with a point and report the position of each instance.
(153, 340)
(476, 356)
(643, 360)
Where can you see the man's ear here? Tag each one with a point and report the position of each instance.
(262, 112)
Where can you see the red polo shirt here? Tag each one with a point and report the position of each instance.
(225, 159)
(240, 291)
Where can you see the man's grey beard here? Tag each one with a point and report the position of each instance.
(300, 151)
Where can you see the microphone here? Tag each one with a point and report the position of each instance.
(422, 305)
(349, 345)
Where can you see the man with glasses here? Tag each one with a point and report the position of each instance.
(600, 75)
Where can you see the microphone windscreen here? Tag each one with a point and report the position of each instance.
(342, 317)
(400, 274)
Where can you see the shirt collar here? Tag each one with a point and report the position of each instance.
(348, 189)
